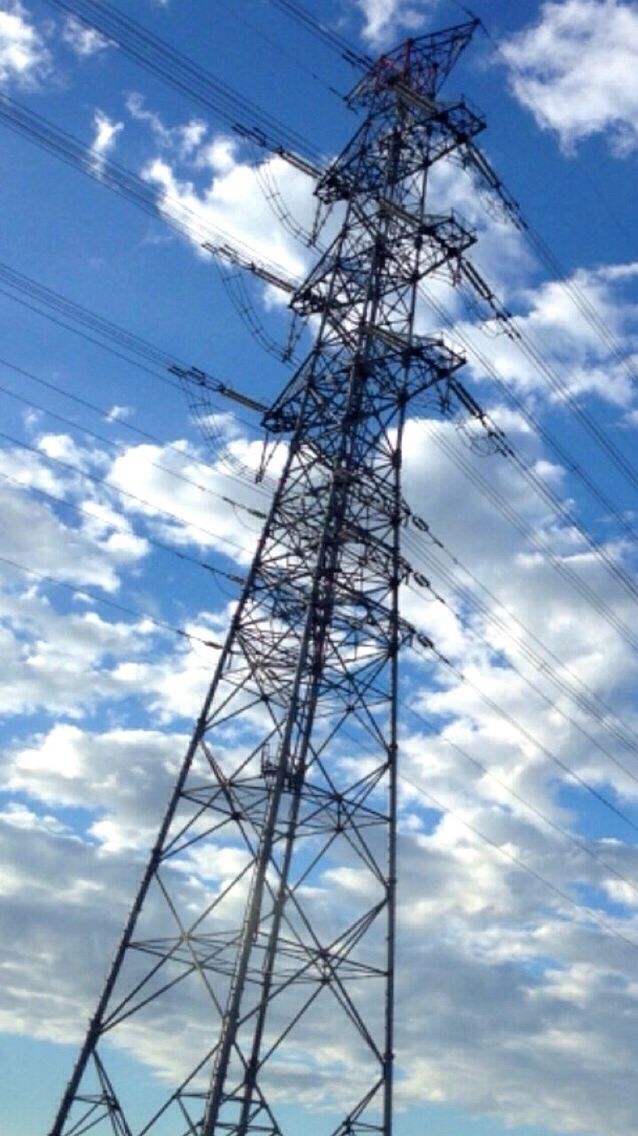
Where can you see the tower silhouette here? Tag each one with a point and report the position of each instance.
(263, 931)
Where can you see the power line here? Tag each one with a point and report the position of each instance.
(188, 558)
(133, 343)
(623, 464)
(206, 489)
(135, 348)
(178, 71)
(238, 580)
(190, 636)
(112, 175)
(130, 341)
(258, 488)
(276, 43)
(541, 431)
(146, 349)
(118, 27)
(312, 646)
(143, 347)
(118, 180)
(525, 225)
(509, 324)
(82, 511)
(323, 33)
(563, 569)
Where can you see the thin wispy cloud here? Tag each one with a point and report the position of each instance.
(83, 40)
(386, 21)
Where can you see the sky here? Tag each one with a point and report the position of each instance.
(127, 512)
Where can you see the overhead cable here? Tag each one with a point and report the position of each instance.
(159, 58)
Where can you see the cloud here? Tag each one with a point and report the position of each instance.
(508, 976)
(83, 40)
(385, 21)
(74, 768)
(216, 188)
(119, 413)
(575, 70)
(555, 318)
(54, 636)
(80, 556)
(500, 253)
(106, 132)
(184, 138)
(486, 953)
(24, 59)
(60, 655)
(265, 208)
(232, 207)
(511, 1001)
(190, 505)
(71, 885)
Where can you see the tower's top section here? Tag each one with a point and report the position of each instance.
(420, 64)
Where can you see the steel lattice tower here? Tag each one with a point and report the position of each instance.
(289, 782)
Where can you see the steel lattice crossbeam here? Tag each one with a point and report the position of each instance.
(236, 939)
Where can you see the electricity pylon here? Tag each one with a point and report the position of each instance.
(257, 964)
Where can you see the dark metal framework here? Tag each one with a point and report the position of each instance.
(236, 939)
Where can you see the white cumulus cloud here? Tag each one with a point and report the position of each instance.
(575, 70)
(24, 57)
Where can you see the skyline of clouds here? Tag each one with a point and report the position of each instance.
(68, 767)
(520, 939)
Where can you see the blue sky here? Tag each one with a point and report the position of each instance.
(519, 814)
